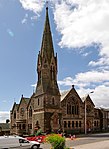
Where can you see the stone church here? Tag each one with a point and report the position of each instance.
(50, 110)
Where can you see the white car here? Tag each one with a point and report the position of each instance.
(16, 142)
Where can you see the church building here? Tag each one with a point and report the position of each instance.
(47, 108)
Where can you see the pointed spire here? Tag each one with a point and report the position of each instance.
(47, 44)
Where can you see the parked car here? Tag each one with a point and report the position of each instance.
(17, 142)
(40, 138)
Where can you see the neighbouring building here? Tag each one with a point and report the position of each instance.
(4, 129)
(49, 109)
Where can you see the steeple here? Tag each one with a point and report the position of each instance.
(47, 62)
(47, 95)
(47, 44)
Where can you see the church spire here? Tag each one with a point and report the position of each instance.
(47, 63)
(47, 43)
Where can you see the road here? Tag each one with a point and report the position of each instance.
(95, 141)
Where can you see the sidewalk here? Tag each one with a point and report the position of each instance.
(95, 145)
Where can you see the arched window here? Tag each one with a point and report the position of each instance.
(30, 112)
(76, 123)
(23, 126)
(73, 124)
(15, 115)
(39, 75)
(94, 123)
(79, 123)
(22, 111)
(76, 109)
(53, 73)
(65, 124)
(68, 124)
(38, 102)
(20, 126)
(73, 109)
(69, 109)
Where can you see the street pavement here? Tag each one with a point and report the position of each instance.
(95, 145)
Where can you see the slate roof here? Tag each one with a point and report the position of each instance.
(5, 126)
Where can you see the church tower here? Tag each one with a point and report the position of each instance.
(47, 111)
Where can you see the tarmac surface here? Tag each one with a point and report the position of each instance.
(95, 145)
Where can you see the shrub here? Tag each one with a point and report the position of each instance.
(56, 141)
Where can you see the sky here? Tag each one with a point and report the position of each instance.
(80, 31)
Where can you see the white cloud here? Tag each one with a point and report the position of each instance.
(87, 78)
(86, 24)
(100, 97)
(91, 81)
(33, 5)
(68, 81)
(25, 19)
(9, 31)
(92, 77)
(3, 116)
(104, 61)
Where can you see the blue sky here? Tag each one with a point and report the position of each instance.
(80, 35)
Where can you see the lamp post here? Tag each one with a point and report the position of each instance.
(85, 117)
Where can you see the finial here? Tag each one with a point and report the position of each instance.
(72, 86)
(46, 4)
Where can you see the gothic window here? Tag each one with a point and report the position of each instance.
(39, 75)
(20, 126)
(68, 124)
(67, 108)
(23, 126)
(38, 102)
(95, 114)
(22, 111)
(79, 123)
(65, 124)
(97, 123)
(53, 73)
(76, 123)
(73, 124)
(88, 108)
(30, 112)
(37, 123)
(94, 123)
(45, 61)
(73, 109)
(14, 115)
(76, 109)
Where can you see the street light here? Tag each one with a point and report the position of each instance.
(85, 118)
